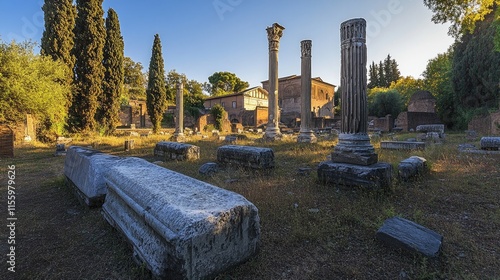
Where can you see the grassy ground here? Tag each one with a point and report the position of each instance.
(309, 230)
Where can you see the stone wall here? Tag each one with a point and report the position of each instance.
(410, 120)
(6, 141)
(486, 125)
(384, 124)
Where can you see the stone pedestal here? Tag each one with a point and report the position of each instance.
(274, 34)
(179, 108)
(354, 161)
(306, 134)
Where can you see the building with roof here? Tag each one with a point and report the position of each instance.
(421, 110)
(289, 100)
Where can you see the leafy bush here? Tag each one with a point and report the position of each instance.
(218, 112)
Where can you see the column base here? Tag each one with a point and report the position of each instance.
(307, 136)
(354, 149)
(272, 134)
(375, 176)
(178, 137)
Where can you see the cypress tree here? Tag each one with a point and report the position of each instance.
(113, 75)
(58, 37)
(156, 93)
(89, 70)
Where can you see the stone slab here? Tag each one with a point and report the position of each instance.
(179, 227)
(412, 167)
(490, 143)
(84, 169)
(405, 234)
(246, 156)
(402, 145)
(439, 128)
(176, 151)
(208, 168)
(374, 176)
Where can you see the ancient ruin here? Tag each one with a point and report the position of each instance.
(179, 115)
(274, 34)
(354, 161)
(306, 133)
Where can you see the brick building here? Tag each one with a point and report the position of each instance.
(289, 101)
(421, 110)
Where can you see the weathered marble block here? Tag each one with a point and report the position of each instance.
(402, 233)
(402, 145)
(439, 128)
(490, 143)
(375, 176)
(179, 227)
(176, 151)
(84, 170)
(411, 167)
(246, 156)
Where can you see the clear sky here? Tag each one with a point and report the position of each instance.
(200, 37)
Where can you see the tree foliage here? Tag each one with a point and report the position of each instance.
(383, 74)
(407, 86)
(113, 75)
(156, 93)
(218, 112)
(134, 80)
(58, 36)
(32, 84)
(89, 71)
(384, 101)
(221, 83)
(193, 92)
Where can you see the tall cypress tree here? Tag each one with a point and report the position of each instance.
(58, 37)
(89, 70)
(113, 76)
(156, 93)
(373, 72)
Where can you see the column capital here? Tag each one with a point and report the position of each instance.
(305, 47)
(353, 30)
(274, 34)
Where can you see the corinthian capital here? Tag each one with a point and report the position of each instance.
(274, 34)
(305, 47)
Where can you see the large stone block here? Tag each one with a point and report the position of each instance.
(402, 145)
(246, 156)
(411, 167)
(377, 175)
(490, 143)
(179, 227)
(401, 233)
(439, 128)
(84, 170)
(176, 151)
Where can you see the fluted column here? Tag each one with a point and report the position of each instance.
(354, 143)
(306, 134)
(274, 34)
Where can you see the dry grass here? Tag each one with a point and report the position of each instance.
(309, 230)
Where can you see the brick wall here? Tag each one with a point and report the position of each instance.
(486, 125)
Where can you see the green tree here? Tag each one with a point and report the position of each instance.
(89, 71)
(382, 79)
(384, 101)
(31, 84)
(218, 112)
(373, 75)
(407, 86)
(225, 83)
(134, 80)
(193, 92)
(58, 36)
(113, 75)
(156, 93)
(438, 80)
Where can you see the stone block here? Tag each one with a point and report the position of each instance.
(60, 150)
(402, 145)
(439, 128)
(412, 167)
(179, 227)
(404, 234)
(176, 151)
(84, 170)
(208, 168)
(490, 143)
(373, 176)
(246, 156)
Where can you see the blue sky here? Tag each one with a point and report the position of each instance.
(200, 37)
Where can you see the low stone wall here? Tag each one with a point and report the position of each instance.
(402, 145)
(179, 227)
(439, 128)
(176, 151)
(84, 170)
(246, 156)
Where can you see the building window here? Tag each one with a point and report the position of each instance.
(234, 104)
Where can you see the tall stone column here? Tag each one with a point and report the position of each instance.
(179, 116)
(274, 34)
(354, 161)
(306, 134)
(354, 143)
